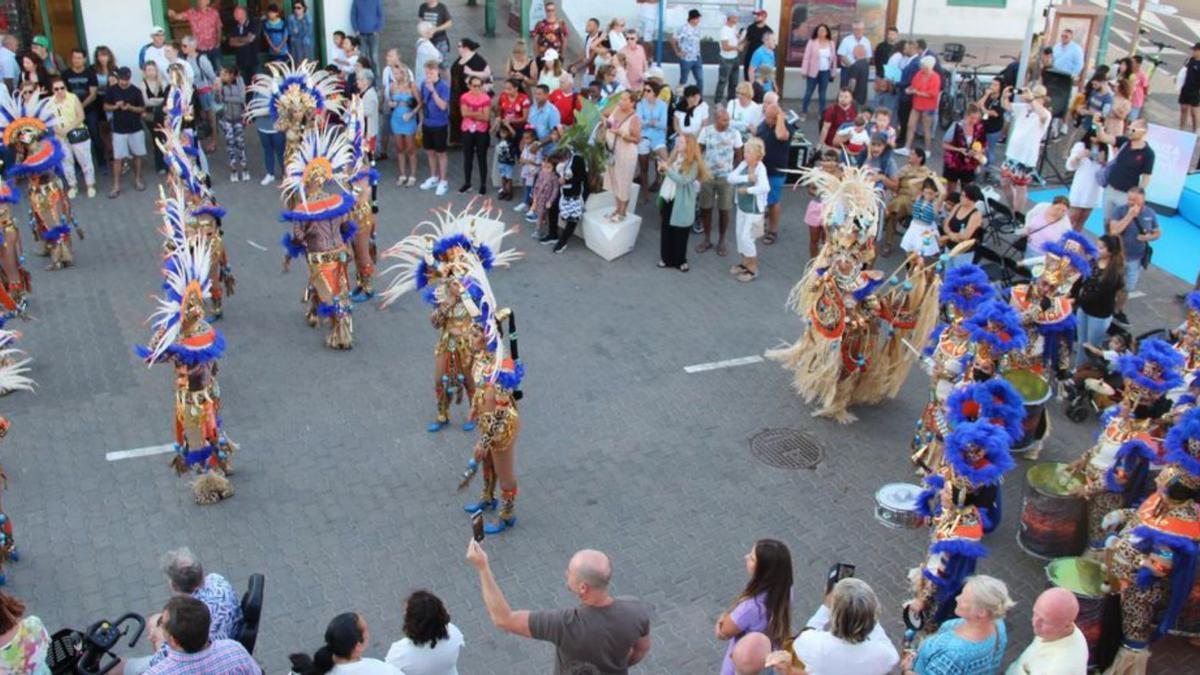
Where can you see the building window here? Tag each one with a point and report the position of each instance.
(999, 4)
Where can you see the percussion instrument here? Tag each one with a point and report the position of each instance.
(1035, 389)
(1083, 577)
(896, 506)
(1053, 523)
(1187, 623)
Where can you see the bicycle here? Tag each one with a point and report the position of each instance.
(953, 102)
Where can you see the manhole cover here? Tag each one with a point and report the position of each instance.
(786, 449)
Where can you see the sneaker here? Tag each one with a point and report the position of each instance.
(698, 228)
(233, 177)
(71, 192)
(245, 176)
(901, 151)
(464, 189)
(547, 240)
(1120, 318)
(91, 191)
(412, 180)
(267, 180)
(442, 188)
(520, 207)
(531, 217)
(429, 183)
(483, 189)
(535, 235)
(559, 248)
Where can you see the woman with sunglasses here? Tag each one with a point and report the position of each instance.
(72, 133)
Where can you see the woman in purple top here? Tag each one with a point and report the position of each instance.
(764, 606)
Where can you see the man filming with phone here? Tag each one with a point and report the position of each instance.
(609, 633)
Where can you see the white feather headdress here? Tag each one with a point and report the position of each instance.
(288, 86)
(326, 147)
(185, 273)
(18, 113)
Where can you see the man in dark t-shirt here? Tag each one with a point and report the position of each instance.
(1189, 93)
(608, 633)
(776, 136)
(753, 39)
(244, 41)
(1130, 165)
(436, 13)
(126, 104)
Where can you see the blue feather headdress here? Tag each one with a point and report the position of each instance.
(978, 437)
(965, 288)
(25, 112)
(1180, 441)
(1076, 249)
(996, 323)
(1193, 301)
(286, 87)
(994, 402)
(1158, 353)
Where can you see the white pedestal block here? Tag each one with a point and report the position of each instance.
(607, 239)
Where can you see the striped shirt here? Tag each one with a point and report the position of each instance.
(221, 657)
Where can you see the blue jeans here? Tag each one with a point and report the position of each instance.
(1089, 329)
(993, 140)
(1133, 270)
(821, 84)
(727, 80)
(272, 145)
(696, 68)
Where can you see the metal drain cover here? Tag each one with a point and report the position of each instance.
(786, 449)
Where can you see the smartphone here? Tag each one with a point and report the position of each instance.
(477, 525)
(838, 572)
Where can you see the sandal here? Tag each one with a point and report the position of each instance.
(769, 238)
(703, 246)
(887, 250)
(738, 269)
(684, 267)
(113, 194)
(747, 276)
(722, 249)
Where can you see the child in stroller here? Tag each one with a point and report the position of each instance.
(1096, 384)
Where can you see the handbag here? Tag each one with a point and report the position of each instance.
(1148, 253)
(78, 135)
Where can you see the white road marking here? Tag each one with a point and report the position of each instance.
(256, 245)
(1136, 294)
(140, 452)
(728, 363)
(1192, 24)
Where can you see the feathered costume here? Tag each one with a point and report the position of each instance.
(12, 378)
(962, 498)
(851, 350)
(321, 227)
(14, 278)
(1188, 343)
(204, 221)
(1116, 470)
(434, 259)
(1151, 561)
(26, 125)
(363, 185)
(296, 97)
(184, 339)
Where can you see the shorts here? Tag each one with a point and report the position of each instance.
(206, 101)
(1133, 270)
(129, 145)
(434, 139)
(1017, 173)
(814, 213)
(776, 192)
(964, 176)
(716, 190)
(505, 170)
(645, 149)
(1189, 97)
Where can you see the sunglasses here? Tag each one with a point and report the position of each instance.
(59, 88)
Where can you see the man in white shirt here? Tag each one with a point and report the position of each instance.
(854, 54)
(1059, 647)
(9, 70)
(156, 51)
(727, 78)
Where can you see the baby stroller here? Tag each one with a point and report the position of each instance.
(1096, 384)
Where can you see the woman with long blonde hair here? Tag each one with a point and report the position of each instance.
(405, 105)
(677, 200)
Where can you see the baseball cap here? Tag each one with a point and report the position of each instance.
(1196, 46)
(655, 73)
(124, 73)
(760, 12)
(157, 30)
(879, 138)
(693, 14)
(41, 41)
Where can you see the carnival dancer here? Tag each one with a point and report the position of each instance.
(957, 504)
(851, 310)
(14, 278)
(1188, 342)
(12, 378)
(363, 184)
(1046, 311)
(321, 228)
(297, 97)
(179, 151)
(185, 340)
(497, 374)
(25, 124)
(1116, 470)
(1150, 564)
(434, 260)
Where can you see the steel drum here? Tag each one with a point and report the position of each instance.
(1084, 578)
(1053, 523)
(1035, 389)
(896, 505)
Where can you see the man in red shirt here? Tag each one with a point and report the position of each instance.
(837, 115)
(205, 23)
(566, 99)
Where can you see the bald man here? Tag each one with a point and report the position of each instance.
(609, 633)
(1059, 647)
(750, 654)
